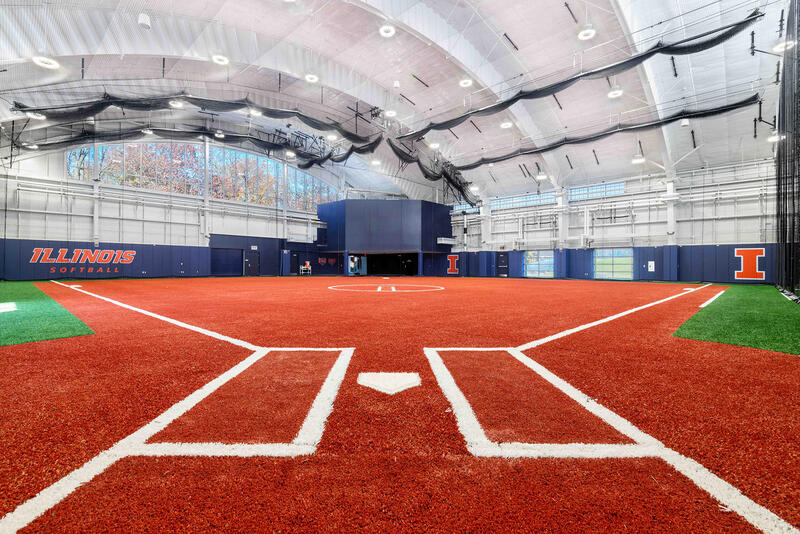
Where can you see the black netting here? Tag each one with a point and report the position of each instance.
(621, 127)
(698, 43)
(788, 166)
(84, 110)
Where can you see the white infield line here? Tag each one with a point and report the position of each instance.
(646, 445)
(712, 299)
(134, 444)
(210, 333)
(571, 331)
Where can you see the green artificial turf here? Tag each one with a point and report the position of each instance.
(750, 316)
(37, 317)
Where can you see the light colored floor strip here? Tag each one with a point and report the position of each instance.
(712, 299)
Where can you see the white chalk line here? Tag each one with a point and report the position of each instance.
(135, 444)
(712, 299)
(646, 445)
(725, 493)
(582, 327)
(209, 333)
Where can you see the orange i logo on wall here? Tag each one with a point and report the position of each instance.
(748, 270)
(452, 264)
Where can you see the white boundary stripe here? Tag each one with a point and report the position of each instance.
(712, 299)
(565, 333)
(197, 329)
(134, 444)
(646, 446)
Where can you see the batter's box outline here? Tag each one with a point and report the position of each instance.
(644, 446)
(304, 443)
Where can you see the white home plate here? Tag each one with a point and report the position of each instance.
(389, 383)
(386, 288)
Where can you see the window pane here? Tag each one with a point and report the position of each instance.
(216, 171)
(80, 163)
(194, 169)
(109, 161)
(177, 175)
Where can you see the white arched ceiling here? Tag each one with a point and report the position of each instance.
(438, 42)
(725, 73)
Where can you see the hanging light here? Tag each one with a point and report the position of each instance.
(387, 30)
(390, 113)
(177, 104)
(219, 59)
(144, 21)
(219, 134)
(34, 146)
(684, 123)
(433, 146)
(466, 82)
(474, 188)
(376, 162)
(289, 154)
(587, 32)
(638, 159)
(255, 112)
(783, 46)
(332, 137)
(541, 177)
(615, 92)
(45, 62)
(312, 78)
(147, 131)
(35, 116)
(506, 125)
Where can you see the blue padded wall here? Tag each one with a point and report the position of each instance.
(227, 261)
(579, 263)
(268, 249)
(515, 260)
(148, 261)
(384, 226)
(718, 263)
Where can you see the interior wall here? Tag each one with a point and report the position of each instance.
(724, 205)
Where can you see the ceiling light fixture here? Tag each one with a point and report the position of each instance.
(638, 159)
(615, 92)
(312, 78)
(45, 62)
(782, 47)
(506, 125)
(219, 59)
(541, 177)
(255, 112)
(144, 21)
(433, 146)
(466, 82)
(219, 135)
(387, 30)
(390, 113)
(474, 188)
(35, 116)
(684, 123)
(332, 137)
(33, 146)
(375, 162)
(289, 154)
(147, 131)
(587, 32)
(177, 104)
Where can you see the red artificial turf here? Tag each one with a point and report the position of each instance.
(514, 404)
(399, 462)
(267, 403)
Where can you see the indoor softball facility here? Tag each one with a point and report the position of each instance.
(400, 266)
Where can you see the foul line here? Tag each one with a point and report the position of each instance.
(571, 331)
(712, 299)
(210, 333)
